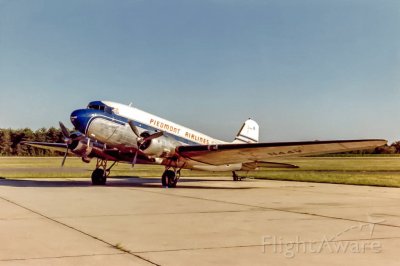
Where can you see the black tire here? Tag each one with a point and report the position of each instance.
(98, 177)
(164, 180)
(169, 179)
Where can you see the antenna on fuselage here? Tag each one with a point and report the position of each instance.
(130, 105)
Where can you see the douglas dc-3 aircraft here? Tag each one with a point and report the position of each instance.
(115, 132)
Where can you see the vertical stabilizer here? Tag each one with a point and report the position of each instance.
(248, 133)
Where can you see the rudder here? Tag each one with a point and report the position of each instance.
(248, 133)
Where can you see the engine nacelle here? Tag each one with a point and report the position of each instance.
(159, 147)
(86, 159)
(81, 148)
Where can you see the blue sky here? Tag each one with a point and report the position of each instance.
(305, 70)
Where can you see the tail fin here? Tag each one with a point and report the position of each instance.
(248, 133)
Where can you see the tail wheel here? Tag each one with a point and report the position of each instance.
(99, 177)
(169, 179)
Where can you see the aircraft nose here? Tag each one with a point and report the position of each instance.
(80, 119)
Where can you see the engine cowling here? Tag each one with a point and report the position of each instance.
(82, 148)
(160, 147)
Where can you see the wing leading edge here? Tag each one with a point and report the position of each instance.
(241, 153)
(60, 147)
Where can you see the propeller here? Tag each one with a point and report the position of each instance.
(152, 136)
(65, 157)
(134, 128)
(67, 140)
(141, 140)
(134, 158)
(64, 130)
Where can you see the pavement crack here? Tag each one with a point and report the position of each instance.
(270, 208)
(78, 230)
(266, 244)
(62, 257)
(158, 213)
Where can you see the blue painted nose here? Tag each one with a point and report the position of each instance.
(81, 119)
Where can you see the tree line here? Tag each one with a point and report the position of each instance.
(10, 143)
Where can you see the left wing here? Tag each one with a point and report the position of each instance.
(220, 154)
(60, 147)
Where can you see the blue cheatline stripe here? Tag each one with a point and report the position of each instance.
(120, 120)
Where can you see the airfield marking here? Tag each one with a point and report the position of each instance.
(122, 250)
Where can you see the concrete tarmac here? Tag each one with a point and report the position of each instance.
(204, 221)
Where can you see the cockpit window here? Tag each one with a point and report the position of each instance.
(96, 107)
(100, 107)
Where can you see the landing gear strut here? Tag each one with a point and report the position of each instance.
(236, 177)
(100, 174)
(170, 178)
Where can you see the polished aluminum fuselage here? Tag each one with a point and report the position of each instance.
(114, 131)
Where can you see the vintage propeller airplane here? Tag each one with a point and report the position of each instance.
(114, 132)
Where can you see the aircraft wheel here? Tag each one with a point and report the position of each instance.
(169, 179)
(99, 177)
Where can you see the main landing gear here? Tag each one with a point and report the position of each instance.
(170, 178)
(236, 177)
(100, 174)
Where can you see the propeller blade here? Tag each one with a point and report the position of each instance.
(64, 130)
(65, 157)
(134, 128)
(153, 136)
(134, 159)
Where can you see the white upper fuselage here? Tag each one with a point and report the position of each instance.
(161, 124)
(108, 123)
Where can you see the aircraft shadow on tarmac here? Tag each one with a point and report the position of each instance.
(115, 181)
